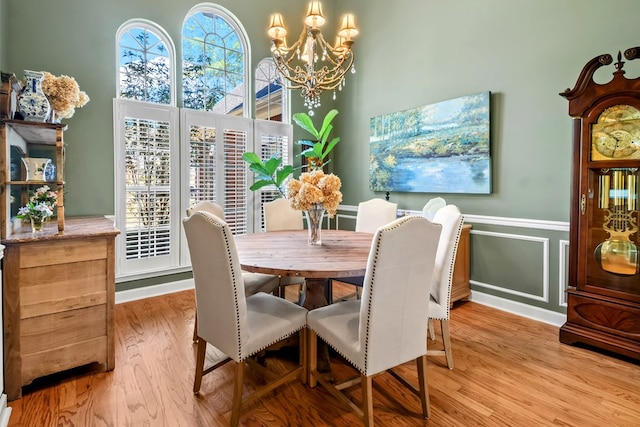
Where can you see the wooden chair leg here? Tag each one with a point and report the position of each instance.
(237, 394)
(421, 363)
(195, 328)
(304, 362)
(200, 356)
(367, 400)
(432, 332)
(446, 340)
(312, 357)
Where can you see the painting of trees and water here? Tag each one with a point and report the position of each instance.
(437, 148)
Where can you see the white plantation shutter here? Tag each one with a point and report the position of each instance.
(147, 188)
(160, 172)
(202, 164)
(271, 137)
(235, 188)
(213, 146)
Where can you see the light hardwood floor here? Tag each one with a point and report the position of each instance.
(509, 371)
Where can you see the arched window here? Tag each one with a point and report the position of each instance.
(146, 63)
(147, 152)
(214, 61)
(271, 93)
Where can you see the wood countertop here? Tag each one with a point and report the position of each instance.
(75, 227)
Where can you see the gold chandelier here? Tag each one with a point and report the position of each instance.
(311, 64)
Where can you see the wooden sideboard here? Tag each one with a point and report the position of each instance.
(59, 291)
(460, 289)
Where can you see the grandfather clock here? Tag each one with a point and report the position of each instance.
(604, 270)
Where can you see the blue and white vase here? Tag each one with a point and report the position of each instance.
(33, 103)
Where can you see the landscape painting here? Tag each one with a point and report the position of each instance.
(437, 148)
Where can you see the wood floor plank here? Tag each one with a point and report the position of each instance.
(509, 371)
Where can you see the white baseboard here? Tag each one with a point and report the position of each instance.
(520, 309)
(5, 411)
(153, 291)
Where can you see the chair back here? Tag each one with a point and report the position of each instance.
(451, 220)
(393, 310)
(279, 215)
(207, 206)
(375, 213)
(433, 206)
(220, 295)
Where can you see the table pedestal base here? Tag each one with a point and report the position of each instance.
(318, 294)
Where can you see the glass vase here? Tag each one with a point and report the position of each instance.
(36, 224)
(314, 224)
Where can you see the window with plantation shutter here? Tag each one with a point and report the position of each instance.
(169, 158)
(271, 138)
(217, 172)
(148, 186)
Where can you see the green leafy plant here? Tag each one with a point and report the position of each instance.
(269, 172)
(318, 149)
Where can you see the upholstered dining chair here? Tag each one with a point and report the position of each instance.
(375, 213)
(371, 214)
(386, 328)
(239, 326)
(206, 206)
(279, 215)
(432, 206)
(440, 300)
(253, 282)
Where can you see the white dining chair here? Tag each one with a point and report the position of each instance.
(387, 327)
(440, 299)
(206, 206)
(253, 282)
(432, 206)
(371, 214)
(279, 215)
(240, 326)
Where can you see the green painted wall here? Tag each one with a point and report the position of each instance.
(525, 52)
(3, 34)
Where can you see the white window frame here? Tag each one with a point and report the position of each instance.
(284, 103)
(233, 21)
(163, 36)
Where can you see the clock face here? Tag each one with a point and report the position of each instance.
(616, 134)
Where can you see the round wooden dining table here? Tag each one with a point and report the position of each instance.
(287, 253)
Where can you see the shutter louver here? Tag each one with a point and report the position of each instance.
(202, 164)
(235, 179)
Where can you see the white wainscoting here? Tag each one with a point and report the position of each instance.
(544, 254)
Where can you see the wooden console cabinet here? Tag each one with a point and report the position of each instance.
(59, 291)
(460, 289)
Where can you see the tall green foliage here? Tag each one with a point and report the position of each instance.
(320, 147)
